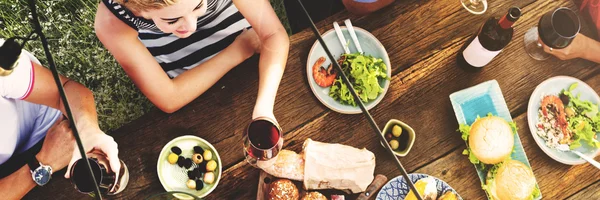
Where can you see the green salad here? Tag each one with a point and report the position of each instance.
(364, 73)
(583, 118)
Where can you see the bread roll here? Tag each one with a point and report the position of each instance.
(491, 140)
(283, 189)
(513, 181)
(314, 196)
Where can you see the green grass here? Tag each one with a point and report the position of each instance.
(68, 24)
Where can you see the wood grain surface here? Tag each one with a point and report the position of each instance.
(422, 39)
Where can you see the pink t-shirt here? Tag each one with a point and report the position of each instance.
(593, 8)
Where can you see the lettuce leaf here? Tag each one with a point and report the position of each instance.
(464, 129)
(535, 194)
(364, 73)
(586, 123)
(514, 127)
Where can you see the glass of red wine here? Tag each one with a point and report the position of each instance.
(263, 140)
(556, 29)
(108, 181)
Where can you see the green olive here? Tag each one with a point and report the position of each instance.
(211, 166)
(207, 155)
(394, 144)
(191, 184)
(172, 158)
(396, 131)
(570, 112)
(209, 178)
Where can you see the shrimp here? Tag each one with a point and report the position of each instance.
(557, 107)
(324, 78)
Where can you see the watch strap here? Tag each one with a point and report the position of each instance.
(33, 163)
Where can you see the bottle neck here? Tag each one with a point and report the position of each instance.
(505, 23)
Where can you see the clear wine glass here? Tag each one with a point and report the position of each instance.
(475, 6)
(263, 140)
(556, 29)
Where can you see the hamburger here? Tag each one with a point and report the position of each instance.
(490, 140)
(511, 180)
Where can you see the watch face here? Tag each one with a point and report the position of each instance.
(42, 175)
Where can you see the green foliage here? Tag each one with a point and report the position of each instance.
(78, 54)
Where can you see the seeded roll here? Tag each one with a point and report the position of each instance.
(283, 189)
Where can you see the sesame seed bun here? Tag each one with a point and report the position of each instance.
(491, 140)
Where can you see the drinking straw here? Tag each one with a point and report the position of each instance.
(357, 99)
(61, 90)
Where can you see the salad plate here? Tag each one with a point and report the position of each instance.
(482, 100)
(173, 178)
(371, 47)
(554, 86)
(397, 188)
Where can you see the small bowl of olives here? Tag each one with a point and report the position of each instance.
(189, 164)
(399, 136)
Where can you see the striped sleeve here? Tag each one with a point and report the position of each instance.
(18, 84)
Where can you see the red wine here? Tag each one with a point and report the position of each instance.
(567, 27)
(492, 37)
(263, 134)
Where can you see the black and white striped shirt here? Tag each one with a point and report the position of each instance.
(216, 29)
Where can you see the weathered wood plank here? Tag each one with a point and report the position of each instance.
(422, 40)
(590, 192)
(557, 181)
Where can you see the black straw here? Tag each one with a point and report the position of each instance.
(63, 95)
(357, 99)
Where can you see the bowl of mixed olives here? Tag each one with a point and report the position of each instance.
(189, 164)
(399, 136)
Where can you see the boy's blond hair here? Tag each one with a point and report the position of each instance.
(145, 5)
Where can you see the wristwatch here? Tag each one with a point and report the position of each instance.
(40, 173)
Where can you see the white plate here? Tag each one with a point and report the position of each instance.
(370, 45)
(553, 86)
(173, 177)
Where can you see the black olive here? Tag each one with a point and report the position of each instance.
(180, 161)
(202, 167)
(187, 163)
(564, 98)
(199, 184)
(198, 173)
(198, 149)
(192, 174)
(176, 150)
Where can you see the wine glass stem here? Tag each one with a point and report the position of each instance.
(475, 2)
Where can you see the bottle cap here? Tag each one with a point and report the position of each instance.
(514, 13)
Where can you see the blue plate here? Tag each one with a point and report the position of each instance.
(397, 188)
(553, 86)
(370, 45)
(480, 100)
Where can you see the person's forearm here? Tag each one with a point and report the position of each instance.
(593, 52)
(16, 185)
(191, 84)
(273, 58)
(83, 106)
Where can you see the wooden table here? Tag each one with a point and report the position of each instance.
(422, 39)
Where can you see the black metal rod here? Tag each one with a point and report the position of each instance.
(357, 99)
(63, 95)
